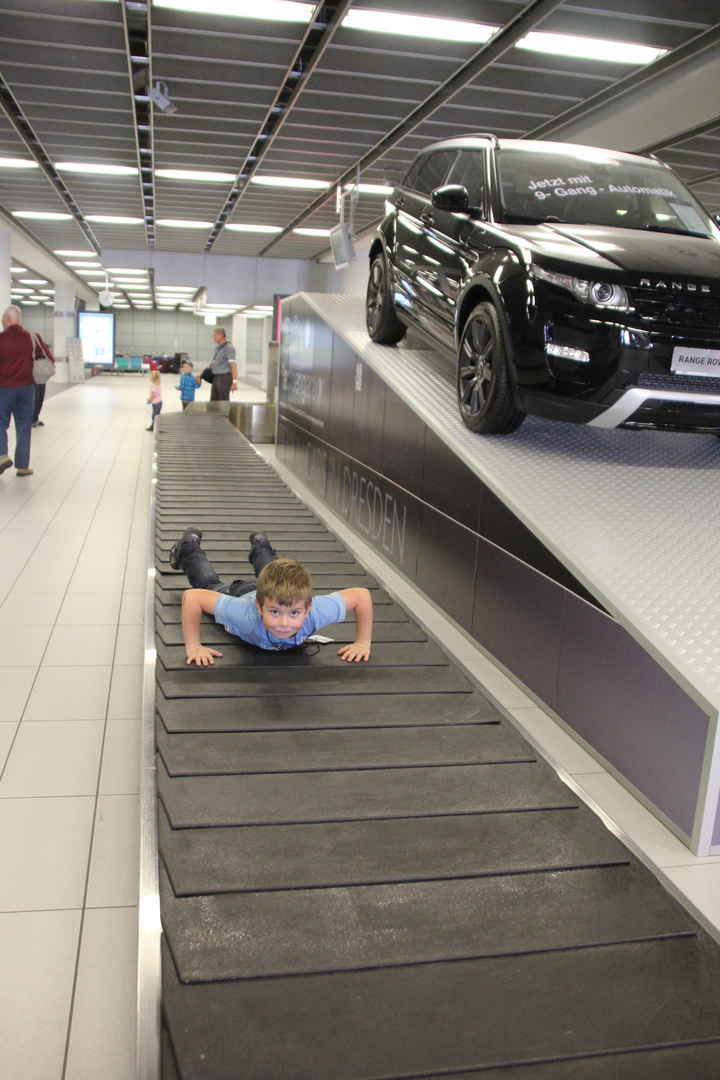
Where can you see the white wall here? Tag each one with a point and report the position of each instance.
(158, 333)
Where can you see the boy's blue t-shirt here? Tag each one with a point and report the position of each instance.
(240, 616)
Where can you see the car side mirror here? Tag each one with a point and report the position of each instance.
(452, 197)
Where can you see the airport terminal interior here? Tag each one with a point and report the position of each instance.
(493, 850)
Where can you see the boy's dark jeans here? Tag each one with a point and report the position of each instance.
(201, 573)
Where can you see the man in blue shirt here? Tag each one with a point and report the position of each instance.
(277, 611)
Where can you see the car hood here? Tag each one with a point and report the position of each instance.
(654, 254)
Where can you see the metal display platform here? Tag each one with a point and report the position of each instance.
(580, 558)
(365, 871)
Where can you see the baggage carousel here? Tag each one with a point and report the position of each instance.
(364, 870)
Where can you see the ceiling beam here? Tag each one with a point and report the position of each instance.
(12, 109)
(326, 20)
(500, 43)
(138, 48)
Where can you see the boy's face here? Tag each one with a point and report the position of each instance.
(283, 620)
(186, 368)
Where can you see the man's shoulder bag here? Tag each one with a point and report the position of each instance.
(43, 366)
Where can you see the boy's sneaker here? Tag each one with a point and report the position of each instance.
(259, 538)
(192, 536)
(5, 463)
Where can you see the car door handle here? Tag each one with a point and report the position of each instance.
(427, 219)
(399, 202)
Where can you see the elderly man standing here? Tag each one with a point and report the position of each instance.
(17, 390)
(223, 367)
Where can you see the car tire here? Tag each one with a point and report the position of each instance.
(383, 325)
(483, 379)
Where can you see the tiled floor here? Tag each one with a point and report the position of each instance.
(73, 561)
(73, 573)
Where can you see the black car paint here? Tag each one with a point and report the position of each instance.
(444, 262)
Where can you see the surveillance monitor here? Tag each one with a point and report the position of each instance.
(342, 245)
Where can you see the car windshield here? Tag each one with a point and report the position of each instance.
(597, 189)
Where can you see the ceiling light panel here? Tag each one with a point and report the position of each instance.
(286, 11)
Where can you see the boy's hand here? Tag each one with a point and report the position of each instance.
(201, 654)
(359, 650)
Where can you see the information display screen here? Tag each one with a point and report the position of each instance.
(96, 330)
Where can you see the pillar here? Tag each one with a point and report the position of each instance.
(64, 328)
(266, 375)
(239, 340)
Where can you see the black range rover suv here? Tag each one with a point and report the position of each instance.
(572, 282)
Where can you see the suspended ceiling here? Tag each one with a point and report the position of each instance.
(258, 98)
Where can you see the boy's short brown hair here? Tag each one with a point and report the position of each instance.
(286, 582)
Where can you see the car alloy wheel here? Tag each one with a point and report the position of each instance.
(383, 325)
(483, 381)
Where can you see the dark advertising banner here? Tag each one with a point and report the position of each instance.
(352, 440)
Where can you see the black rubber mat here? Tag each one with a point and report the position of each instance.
(218, 754)
(332, 711)
(374, 852)
(417, 1020)
(366, 873)
(233, 935)
(282, 798)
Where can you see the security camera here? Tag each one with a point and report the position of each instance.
(160, 97)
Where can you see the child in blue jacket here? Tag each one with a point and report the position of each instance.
(188, 384)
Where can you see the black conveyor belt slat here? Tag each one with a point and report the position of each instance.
(218, 754)
(261, 713)
(390, 654)
(279, 680)
(419, 1019)
(359, 794)
(233, 935)
(397, 849)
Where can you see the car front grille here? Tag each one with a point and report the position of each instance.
(675, 310)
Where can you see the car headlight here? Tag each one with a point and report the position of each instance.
(600, 293)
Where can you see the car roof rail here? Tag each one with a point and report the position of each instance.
(483, 135)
